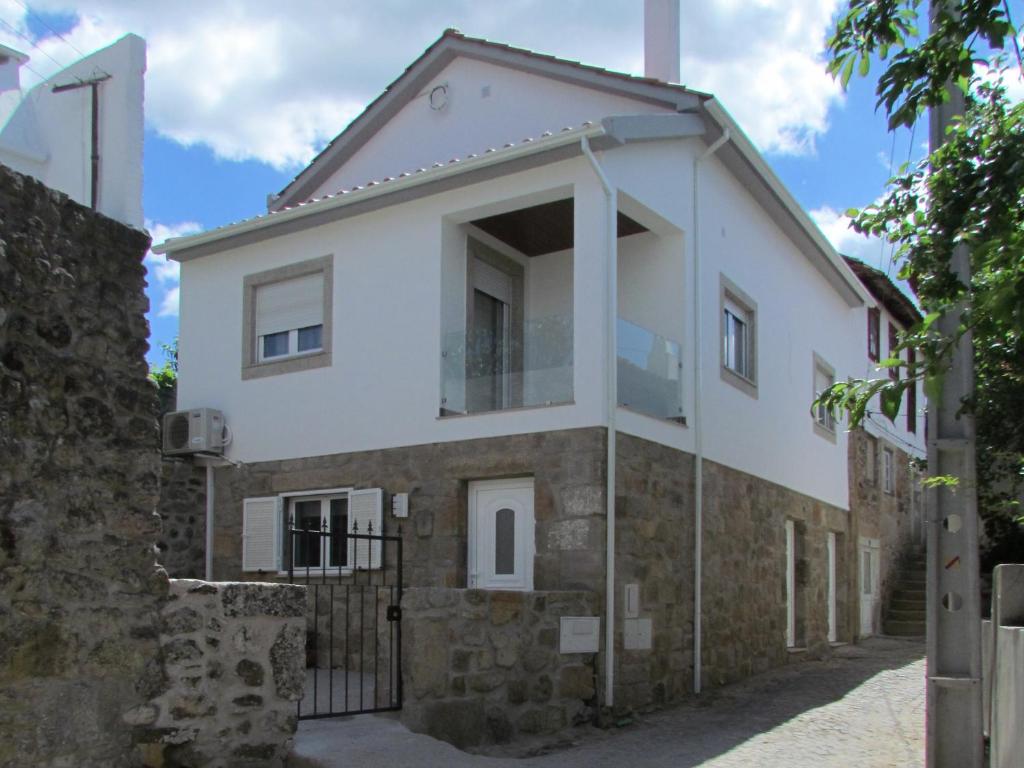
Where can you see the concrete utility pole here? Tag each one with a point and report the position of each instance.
(954, 711)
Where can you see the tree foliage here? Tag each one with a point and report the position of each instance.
(970, 191)
(165, 377)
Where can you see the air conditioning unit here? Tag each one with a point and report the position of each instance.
(200, 430)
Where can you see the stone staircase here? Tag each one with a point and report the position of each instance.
(905, 614)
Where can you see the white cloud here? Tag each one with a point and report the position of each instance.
(273, 81)
(164, 273)
(836, 227)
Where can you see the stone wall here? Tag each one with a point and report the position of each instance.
(893, 518)
(744, 574)
(568, 471)
(234, 668)
(182, 510)
(79, 471)
(483, 667)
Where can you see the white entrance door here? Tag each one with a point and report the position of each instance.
(501, 527)
(832, 633)
(869, 586)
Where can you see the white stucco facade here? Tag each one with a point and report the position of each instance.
(48, 135)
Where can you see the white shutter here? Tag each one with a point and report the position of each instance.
(365, 508)
(290, 304)
(262, 520)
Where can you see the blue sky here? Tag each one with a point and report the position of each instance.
(232, 116)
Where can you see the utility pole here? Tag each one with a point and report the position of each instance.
(93, 84)
(954, 711)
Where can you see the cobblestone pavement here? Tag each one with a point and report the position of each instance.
(862, 709)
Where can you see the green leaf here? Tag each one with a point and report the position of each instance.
(890, 399)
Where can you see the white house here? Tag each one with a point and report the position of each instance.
(80, 131)
(576, 317)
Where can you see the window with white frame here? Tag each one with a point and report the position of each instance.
(739, 337)
(888, 471)
(824, 377)
(287, 323)
(871, 459)
(313, 530)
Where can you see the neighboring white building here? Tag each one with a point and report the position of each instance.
(49, 131)
(504, 259)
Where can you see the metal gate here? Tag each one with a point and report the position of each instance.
(353, 622)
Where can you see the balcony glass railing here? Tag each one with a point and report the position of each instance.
(495, 368)
(650, 372)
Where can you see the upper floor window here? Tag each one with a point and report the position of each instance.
(894, 340)
(870, 459)
(874, 334)
(739, 337)
(824, 377)
(287, 318)
(888, 471)
(911, 393)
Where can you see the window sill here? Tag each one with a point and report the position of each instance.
(292, 364)
(822, 431)
(796, 650)
(738, 380)
(678, 421)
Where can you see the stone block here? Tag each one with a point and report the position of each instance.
(576, 682)
(506, 607)
(461, 723)
(286, 600)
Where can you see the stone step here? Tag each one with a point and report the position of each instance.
(904, 614)
(904, 628)
(908, 594)
(908, 605)
(912, 582)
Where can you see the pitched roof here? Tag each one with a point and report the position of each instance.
(439, 54)
(897, 303)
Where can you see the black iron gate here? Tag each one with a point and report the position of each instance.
(353, 622)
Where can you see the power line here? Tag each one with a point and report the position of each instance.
(42, 21)
(31, 42)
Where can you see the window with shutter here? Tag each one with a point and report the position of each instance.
(262, 520)
(366, 515)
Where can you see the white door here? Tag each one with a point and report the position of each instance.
(790, 584)
(832, 634)
(501, 527)
(869, 586)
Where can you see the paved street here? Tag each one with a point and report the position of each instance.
(862, 709)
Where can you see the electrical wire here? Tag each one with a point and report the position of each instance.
(42, 21)
(31, 42)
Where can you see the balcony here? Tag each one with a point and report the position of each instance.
(494, 368)
(650, 372)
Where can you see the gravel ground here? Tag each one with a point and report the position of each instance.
(862, 709)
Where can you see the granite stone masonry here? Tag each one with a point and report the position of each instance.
(234, 665)
(483, 667)
(182, 510)
(80, 590)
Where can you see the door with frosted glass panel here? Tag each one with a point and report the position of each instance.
(501, 526)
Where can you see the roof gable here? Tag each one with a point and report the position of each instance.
(432, 62)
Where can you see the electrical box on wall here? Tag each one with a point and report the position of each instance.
(636, 634)
(400, 505)
(579, 634)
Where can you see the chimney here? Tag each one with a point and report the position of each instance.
(661, 40)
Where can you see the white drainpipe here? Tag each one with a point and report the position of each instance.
(209, 521)
(612, 405)
(698, 431)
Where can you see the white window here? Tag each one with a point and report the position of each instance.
(313, 530)
(888, 471)
(287, 323)
(736, 339)
(871, 459)
(501, 530)
(738, 316)
(824, 377)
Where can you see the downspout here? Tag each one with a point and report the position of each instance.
(698, 431)
(612, 405)
(209, 521)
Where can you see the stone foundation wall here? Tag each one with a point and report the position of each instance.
(744, 574)
(568, 471)
(483, 667)
(234, 666)
(182, 510)
(893, 518)
(80, 591)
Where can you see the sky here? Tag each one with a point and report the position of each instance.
(241, 95)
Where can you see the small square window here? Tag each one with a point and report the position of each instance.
(287, 318)
(326, 520)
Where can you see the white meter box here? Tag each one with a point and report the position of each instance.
(579, 634)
